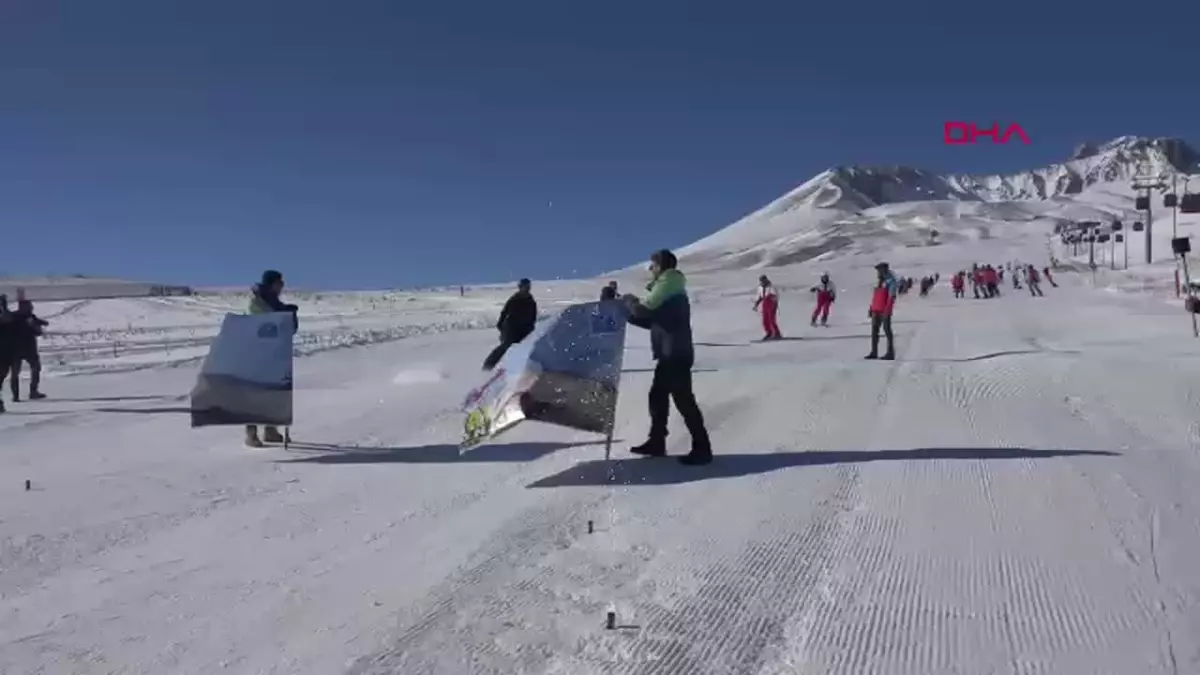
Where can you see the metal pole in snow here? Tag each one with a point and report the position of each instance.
(1191, 294)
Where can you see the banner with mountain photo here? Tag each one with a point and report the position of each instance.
(247, 376)
(566, 373)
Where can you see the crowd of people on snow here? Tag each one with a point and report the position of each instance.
(19, 333)
(986, 280)
(665, 312)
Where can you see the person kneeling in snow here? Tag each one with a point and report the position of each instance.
(265, 299)
(667, 314)
(883, 300)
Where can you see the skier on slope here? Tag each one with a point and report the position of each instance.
(1034, 282)
(1049, 277)
(667, 314)
(991, 280)
(958, 283)
(517, 321)
(264, 299)
(883, 301)
(826, 294)
(768, 300)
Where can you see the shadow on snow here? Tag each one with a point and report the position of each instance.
(651, 370)
(428, 454)
(649, 471)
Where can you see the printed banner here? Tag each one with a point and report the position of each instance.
(567, 373)
(247, 376)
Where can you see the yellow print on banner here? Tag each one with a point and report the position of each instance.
(476, 427)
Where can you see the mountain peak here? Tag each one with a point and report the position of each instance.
(815, 218)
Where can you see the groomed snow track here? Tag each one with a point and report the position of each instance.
(1015, 494)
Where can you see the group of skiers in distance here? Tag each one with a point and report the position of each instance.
(986, 280)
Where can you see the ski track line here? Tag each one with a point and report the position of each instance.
(764, 583)
(1171, 602)
(753, 587)
(440, 641)
(611, 561)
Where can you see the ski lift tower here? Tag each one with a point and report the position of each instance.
(1144, 183)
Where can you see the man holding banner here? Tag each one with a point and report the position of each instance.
(246, 379)
(666, 313)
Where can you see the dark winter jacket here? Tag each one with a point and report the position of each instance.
(263, 301)
(518, 318)
(667, 314)
(7, 337)
(25, 329)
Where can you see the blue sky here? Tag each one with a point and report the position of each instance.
(372, 143)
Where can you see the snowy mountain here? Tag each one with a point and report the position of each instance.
(860, 208)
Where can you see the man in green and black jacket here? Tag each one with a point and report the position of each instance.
(666, 313)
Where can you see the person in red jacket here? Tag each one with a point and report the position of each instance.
(959, 284)
(768, 299)
(826, 294)
(883, 300)
(992, 282)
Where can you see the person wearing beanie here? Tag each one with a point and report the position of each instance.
(883, 301)
(517, 321)
(264, 299)
(666, 313)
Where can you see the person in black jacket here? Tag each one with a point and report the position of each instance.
(7, 340)
(27, 328)
(667, 314)
(517, 321)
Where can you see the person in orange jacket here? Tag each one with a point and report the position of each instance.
(768, 299)
(883, 301)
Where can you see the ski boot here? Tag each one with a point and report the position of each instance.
(272, 435)
(654, 447)
(252, 440)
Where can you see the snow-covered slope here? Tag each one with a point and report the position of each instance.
(1014, 494)
(856, 209)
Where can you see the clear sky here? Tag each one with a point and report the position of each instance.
(380, 143)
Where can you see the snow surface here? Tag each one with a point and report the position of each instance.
(1015, 494)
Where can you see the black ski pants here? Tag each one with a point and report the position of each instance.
(496, 354)
(881, 321)
(673, 381)
(507, 340)
(35, 372)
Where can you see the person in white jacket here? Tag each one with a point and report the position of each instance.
(768, 299)
(826, 294)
